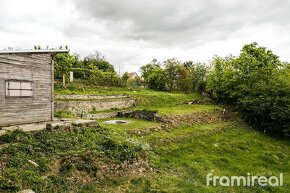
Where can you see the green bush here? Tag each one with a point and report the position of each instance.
(49, 127)
(83, 162)
(100, 78)
(82, 73)
(258, 84)
(13, 136)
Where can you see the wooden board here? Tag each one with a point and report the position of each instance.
(31, 67)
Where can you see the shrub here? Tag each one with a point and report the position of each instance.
(48, 127)
(258, 83)
(14, 136)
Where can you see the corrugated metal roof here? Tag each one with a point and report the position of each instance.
(33, 51)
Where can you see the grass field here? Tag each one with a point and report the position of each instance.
(179, 157)
(222, 149)
(182, 157)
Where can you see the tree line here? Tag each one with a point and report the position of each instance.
(173, 75)
(93, 68)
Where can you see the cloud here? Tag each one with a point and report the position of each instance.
(131, 33)
(174, 21)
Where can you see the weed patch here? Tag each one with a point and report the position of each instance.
(79, 151)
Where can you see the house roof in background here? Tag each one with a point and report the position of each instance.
(132, 73)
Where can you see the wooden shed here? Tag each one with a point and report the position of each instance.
(26, 86)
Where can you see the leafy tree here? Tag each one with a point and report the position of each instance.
(97, 61)
(257, 82)
(157, 80)
(172, 71)
(183, 80)
(186, 77)
(125, 78)
(216, 84)
(62, 65)
(100, 78)
(198, 73)
(148, 69)
(188, 64)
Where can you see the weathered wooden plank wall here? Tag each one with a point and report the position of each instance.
(32, 67)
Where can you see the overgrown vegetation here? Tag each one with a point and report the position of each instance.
(94, 68)
(62, 157)
(85, 158)
(257, 83)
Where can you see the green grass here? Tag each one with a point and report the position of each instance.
(183, 133)
(153, 99)
(184, 156)
(184, 109)
(64, 114)
(234, 150)
(63, 157)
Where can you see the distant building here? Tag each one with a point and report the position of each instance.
(133, 76)
(26, 86)
(133, 79)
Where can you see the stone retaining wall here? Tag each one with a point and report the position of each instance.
(193, 118)
(175, 120)
(98, 97)
(141, 114)
(87, 106)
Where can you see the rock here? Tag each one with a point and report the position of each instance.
(193, 102)
(33, 163)
(26, 191)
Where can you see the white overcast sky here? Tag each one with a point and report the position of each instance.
(131, 33)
